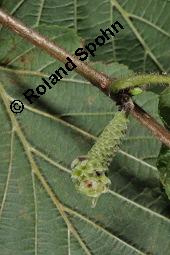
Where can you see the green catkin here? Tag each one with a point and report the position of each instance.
(109, 140)
(89, 172)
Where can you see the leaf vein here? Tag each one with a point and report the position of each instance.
(9, 173)
(125, 15)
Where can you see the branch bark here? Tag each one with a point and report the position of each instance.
(145, 119)
(96, 78)
(53, 49)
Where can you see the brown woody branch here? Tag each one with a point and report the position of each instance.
(96, 78)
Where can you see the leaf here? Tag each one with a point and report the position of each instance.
(164, 168)
(164, 106)
(143, 45)
(41, 212)
(163, 162)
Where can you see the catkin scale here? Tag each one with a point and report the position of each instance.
(89, 172)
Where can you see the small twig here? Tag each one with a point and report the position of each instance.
(139, 80)
(96, 78)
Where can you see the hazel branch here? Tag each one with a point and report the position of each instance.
(148, 121)
(96, 78)
(53, 49)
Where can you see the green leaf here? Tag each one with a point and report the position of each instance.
(164, 168)
(143, 45)
(41, 212)
(164, 107)
(164, 156)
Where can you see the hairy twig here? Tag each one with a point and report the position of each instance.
(139, 80)
(96, 78)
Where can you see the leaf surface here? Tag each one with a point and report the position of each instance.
(40, 210)
(164, 156)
